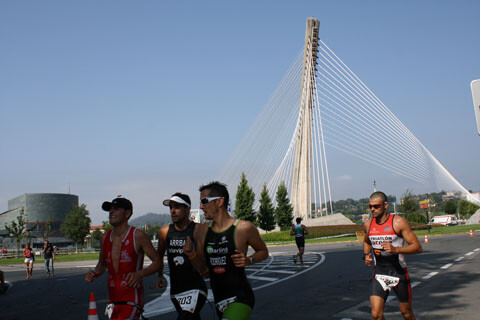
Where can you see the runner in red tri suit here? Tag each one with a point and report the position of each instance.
(121, 251)
(390, 238)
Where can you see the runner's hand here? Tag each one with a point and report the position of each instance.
(134, 280)
(161, 282)
(239, 259)
(188, 247)
(368, 259)
(92, 275)
(387, 246)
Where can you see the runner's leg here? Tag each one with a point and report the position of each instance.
(47, 270)
(377, 303)
(301, 250)
(406, 310)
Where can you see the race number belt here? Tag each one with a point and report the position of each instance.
(222, 305)
(188, 299)
(387, 282)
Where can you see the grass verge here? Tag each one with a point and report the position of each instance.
(58, 258)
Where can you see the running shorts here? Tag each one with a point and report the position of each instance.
(236, 311)
(403, 289)
(123, 312)
(185, 315)
(300, 242)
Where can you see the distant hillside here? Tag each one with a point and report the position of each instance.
(153, 219)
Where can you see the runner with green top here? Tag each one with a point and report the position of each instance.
(223, 251)
(299, 231)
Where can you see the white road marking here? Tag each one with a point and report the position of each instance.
(163, 303)
(262, 278)
(470, 253)
(476, 249)
(88, 266)
(448, 265)
(278, 271)
(428, 276)
(459, 259)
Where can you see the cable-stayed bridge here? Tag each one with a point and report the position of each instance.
(321, 106)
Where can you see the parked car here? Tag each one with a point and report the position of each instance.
(446, 220)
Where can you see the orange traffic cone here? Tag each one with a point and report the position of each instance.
(426, 239)
(471, 233)
(92, 308)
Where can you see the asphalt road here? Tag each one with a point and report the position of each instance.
(334, 284)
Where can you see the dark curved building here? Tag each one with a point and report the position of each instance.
(45, 212)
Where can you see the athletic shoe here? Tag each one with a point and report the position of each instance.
(295, 259)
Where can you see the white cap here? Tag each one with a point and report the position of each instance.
(176, 199)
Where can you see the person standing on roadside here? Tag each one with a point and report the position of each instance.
(121, 252)
(4, 252)
(299, 231)
(188, 290)
(29, 256)
(222, 247)
(49, 256)
(390, 237)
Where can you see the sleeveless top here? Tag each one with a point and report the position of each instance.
(129, 261)
(386, 262)
(299, 232)
(183, 275)
(28, 253)
(227, 281)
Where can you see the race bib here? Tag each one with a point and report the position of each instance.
(188, 299)
(387, 282)
(222, 305)
(109, 310)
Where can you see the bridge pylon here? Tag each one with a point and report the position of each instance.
(301, 194)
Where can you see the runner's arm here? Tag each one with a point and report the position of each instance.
(367, 245)
(101, 264)
(403, 228)
(146, 246)
(305, 230)
(292, 230)
(162, 235)
(256, 242)
(194, 251)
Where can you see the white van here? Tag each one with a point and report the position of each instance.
(446, 220)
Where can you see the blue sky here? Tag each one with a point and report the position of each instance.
(148, 98)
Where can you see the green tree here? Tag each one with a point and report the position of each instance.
(472, 208)
(450, 207)
(416, 218)
(266, 213)
(152, 231)
(284, 210)
(96, 235)
(106, 226)
(19, 229)
(463, 208)
(244, 201)
(77, 225)
(408, 204)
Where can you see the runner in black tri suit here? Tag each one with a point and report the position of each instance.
(387, 234)
(187, 290)
(224, 251)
